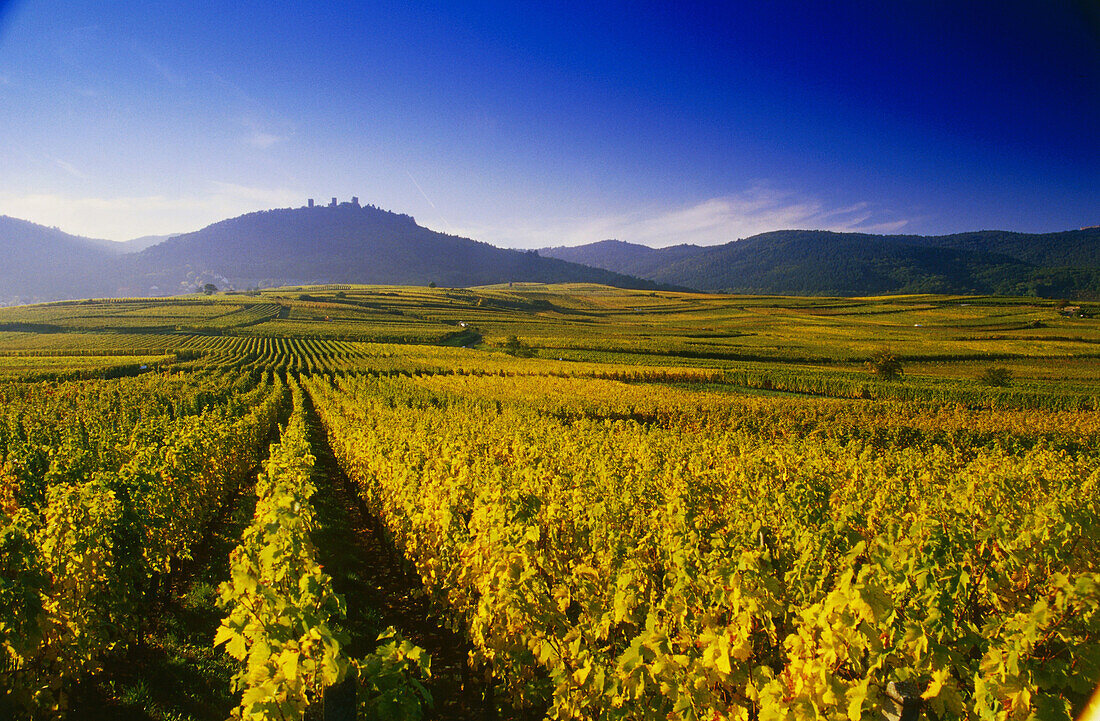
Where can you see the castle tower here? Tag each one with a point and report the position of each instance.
(310, 203)
(333, 203)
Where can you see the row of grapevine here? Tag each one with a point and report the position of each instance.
(88, 534)
(845, 384)
(880, 424)
(310, 356)
(240, 317)
(859, 385)
(283, 622)
(55, 370)
(626, 570)
(281, 604)
(67, 431)
(105, 350)
(280, 355)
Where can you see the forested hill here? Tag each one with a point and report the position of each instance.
(349, 243)
(345, 243)
(813, 262)
(622, 257)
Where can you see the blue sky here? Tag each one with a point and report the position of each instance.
(532, 124)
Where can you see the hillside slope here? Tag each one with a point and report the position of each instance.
(348, 243)
(813, 262)
(39, 261)
(339, 244)
(342, 244)
(623, 257)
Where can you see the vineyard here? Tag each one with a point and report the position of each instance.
(567, 502)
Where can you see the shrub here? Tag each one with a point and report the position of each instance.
(996, 376)
(515, 347)
(885, 365)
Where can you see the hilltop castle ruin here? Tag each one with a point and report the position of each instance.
(354, 201)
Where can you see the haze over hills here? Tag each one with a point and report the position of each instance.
(134, 245)
(622, 257)
(816, 262)
(349, 243)
(346, 243)
(41, 263)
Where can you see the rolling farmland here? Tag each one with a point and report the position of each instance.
(566, 501)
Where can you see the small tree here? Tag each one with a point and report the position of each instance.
(432, 284)
(515, 347)
(885, 365)
(210, 289)
(996, 377)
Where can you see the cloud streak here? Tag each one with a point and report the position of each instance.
(70, 169)
(715, 220)
(263, 141)
(261, 137)
(159, 68)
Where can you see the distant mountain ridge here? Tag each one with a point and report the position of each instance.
(136, 245)
(817, 262)
(349, 243)
(37, 258)
(42, 264)
(623, 257)
(344, 243)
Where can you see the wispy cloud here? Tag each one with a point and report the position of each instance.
(70, 169)
(759, 209)
(264, 140)
(155, 64)
(124, 217)
(263, 137)
(272, 197)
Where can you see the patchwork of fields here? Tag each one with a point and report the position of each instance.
(566, 501)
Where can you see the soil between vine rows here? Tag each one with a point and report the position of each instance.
(174, 672)
(380, 592)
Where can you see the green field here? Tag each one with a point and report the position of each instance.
(580, 320)
(577, 501)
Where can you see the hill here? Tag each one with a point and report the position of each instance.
(349, 243)
(346, 243)
(38, 261)
(1068, 249)
(135, 245)
(622, 257)
(812, 262)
